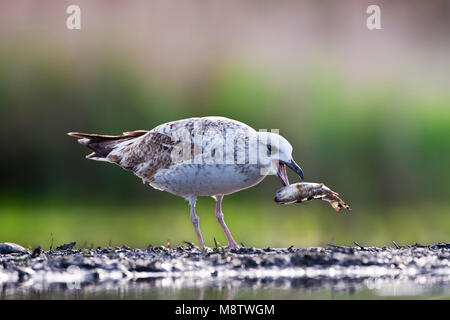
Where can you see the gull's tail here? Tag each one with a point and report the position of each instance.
(102, 145)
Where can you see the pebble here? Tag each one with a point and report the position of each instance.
(8, 247)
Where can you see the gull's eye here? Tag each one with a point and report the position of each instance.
(269, 148)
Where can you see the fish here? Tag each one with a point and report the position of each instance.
(304, 191)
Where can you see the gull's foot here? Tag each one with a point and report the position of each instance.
(232, 245)
(206, 250)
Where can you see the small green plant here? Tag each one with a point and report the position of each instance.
(51, 242)
(218, 248)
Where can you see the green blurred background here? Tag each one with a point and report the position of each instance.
(366, 111)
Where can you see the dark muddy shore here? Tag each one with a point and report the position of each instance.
(333, 267)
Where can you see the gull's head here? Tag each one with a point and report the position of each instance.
(275, 154)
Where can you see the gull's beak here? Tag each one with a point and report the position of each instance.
(282, 171)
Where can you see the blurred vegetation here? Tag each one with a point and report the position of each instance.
(384, 145)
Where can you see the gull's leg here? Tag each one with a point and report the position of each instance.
(219, 216)
(195, 219)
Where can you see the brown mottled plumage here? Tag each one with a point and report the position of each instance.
(102, 145)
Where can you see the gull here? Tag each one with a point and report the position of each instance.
(205, 156)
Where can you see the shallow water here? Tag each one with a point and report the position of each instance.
(173, 289)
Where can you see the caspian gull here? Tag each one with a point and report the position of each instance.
(209, 156)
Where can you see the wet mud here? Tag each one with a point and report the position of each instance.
(26, 274)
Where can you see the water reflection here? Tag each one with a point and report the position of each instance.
(269, 288)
